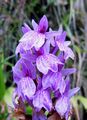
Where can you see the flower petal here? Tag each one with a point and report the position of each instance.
(26, 87)
(35, 25)
(25, 28)
(69, 53)
(47, 62)
(73, 91)
(42, 99)
(68, 71)
(19, 48)
(23, 68)
(52, 80)
(61, 106)
(43, 25)
(62, 86)
(32, 39)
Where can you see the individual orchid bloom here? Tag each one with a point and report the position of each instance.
(63, 46)
(54, 81)
(59, 40)
(26, 88)
(23, 68)
(42, 99)
(34, 38)
(53, 34)
(47, 62)
(64, 108)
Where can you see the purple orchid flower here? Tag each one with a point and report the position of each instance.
(40, 73)
(26, 88)
(23, 68)
(59, 40)
(47, 62)
(34, 38)
(54, 81)
(42, 99)
(64, 108)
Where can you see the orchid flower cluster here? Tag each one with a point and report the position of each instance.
(40, 75)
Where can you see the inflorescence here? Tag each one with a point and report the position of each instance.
(42, 80)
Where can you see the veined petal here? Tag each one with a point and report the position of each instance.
(42, 99)
(61, 105)
(43, 25)
(22, 69)
(52, 80)
(62, 86)
(47, 62)
(18, 70)
(61, 46)
(46, 81)
(40, 39)
(41, 65)
(32, 39)
(28, 56)
(27, 87)
(69, 53)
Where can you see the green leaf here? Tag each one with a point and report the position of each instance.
(8, 96)
(2, 84)
(83, 100)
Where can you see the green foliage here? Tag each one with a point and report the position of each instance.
(8, 96)
(2, 81)
(83, 100)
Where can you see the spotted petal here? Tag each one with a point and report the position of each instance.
(42, 99)
(26, 87)
(47, 62)
(32, 39)
(61, 106)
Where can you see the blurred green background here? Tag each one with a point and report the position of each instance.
(72, 14)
